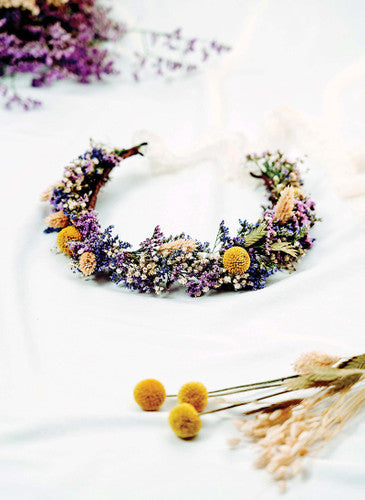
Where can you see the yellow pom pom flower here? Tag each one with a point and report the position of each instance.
(149, 394)
(67, 234)
(194, 393)
(185, 421)
(236, 260)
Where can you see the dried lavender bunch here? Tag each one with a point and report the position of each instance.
(62, 39)
(55, 39)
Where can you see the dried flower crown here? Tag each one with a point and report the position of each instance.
(240, 262)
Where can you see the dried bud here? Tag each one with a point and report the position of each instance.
(20, 4)
(285, 205)
(187, 245)
(87, 263)
(57, 220)
(47, 193)
(308, 360)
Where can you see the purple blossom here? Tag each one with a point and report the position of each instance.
(58, 43)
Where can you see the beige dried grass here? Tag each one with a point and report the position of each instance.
(285, 205)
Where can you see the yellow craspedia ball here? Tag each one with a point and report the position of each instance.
(194, 393)
(149, 394)
(236, 260)
(185, 421)
(65, 235)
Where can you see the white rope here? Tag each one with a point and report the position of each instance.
(285, 128)
(223, 149)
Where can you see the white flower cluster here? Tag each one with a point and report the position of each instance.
(74, 186)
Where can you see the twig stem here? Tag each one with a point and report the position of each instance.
(248, 387)
(123, 154)
(246, 402)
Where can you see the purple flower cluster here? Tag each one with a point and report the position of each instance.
(172, 54)
(59, 41)
(11, 98)
(161, 262)
(73, 194)
(108, 249)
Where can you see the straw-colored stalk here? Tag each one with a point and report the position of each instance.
(287, 435)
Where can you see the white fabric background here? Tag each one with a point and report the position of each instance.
(72, 351)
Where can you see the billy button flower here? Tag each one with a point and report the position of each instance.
(184, 420)
(69, 233)
(194, 393)
(236, 260)
(149, 394)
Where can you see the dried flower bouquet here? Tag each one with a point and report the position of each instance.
(319, 400)
(63, 39)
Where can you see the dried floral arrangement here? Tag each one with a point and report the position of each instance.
(53, 40)
(241, 262)
(63, 39)
(319, 400)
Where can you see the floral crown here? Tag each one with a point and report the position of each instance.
(241, 262)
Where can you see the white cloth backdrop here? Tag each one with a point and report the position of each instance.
(71, 351)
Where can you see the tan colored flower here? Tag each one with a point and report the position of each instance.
(87, 263)
(308, 360)
(185, 244)
(57, 220)
(47, 193)
(57, 3)
(285, 205)
(30, 5)
(20, 4)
